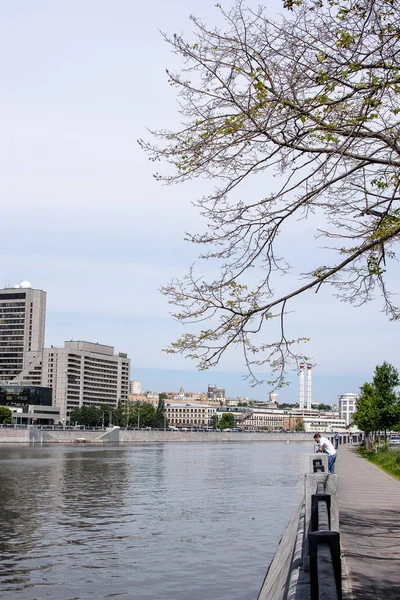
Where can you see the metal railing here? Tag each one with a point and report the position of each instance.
(324, 550)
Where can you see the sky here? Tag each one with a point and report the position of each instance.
(83, 218)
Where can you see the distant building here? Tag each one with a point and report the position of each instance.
(186, 396)
(192, 415)
(347, 406)
(78, 373)
(81, 373)
(22, 328)
(232, 401)
(215, 393)
(255, 418)
(273, 398)
(135, 387)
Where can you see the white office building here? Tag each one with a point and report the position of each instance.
(81, 373)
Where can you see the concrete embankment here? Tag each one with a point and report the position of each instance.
(285, 578)
(301, 558)
(117, 435)
(14, 436)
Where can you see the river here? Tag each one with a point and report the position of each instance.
(168, 521)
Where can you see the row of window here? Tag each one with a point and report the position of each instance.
(188, 421)
(188, 410)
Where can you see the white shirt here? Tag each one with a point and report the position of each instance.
(327, 446)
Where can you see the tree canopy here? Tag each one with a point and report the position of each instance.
(137, 414)
(378, 407)
(226, 421)
(5, 415)
(311, 101)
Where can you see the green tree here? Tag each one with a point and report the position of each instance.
(299, 425)
(142, 414)
(314, 100)
(366, 416)
(119, 416)
(214, 421)
(160, 420)
(90, 416)
(385, 381)
(5, 415)
(226, 421)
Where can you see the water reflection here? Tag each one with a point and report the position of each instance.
(172, 521)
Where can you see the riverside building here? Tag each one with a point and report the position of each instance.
(193, 415)
(81, 373)
(253, 419)
(78, 373)
(22, 328)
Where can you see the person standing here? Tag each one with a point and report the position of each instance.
(336, 438)
(325, 445)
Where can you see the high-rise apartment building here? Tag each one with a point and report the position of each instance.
(22, 328)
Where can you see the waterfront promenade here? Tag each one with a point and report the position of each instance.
(369, 502)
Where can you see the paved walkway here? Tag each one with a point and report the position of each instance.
(369, 512)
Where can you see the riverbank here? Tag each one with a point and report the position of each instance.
(34, 435)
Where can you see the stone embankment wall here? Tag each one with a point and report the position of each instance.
(116, 435)
(14, 436)
(285, 578)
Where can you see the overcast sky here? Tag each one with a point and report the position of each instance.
(83, 218)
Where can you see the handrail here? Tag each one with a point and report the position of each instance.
(324, 550)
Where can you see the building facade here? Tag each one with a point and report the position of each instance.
(22, 328)
(253, 419)
(189, 415)
(347, 406)
(135, 387)
(81, 373)
(215, 394)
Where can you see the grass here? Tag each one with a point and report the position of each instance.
(385, 458)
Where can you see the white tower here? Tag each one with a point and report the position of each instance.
(301, 387)
(309, 387)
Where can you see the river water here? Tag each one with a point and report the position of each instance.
(168, 521)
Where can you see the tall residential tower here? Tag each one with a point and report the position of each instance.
(22, 328)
